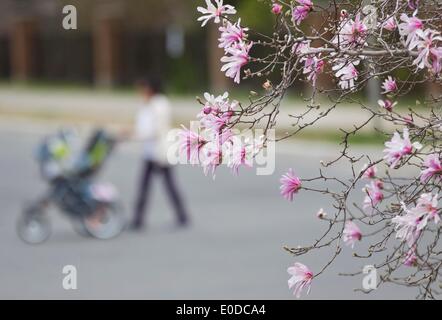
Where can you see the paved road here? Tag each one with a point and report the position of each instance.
(109, 107)
(232, 250)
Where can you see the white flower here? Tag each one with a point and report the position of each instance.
(347, 74)
(214, 12)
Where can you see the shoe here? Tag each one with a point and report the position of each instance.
(183, 222)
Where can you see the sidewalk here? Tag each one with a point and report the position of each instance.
(98, 107)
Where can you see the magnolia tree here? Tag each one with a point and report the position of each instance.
(355, 43)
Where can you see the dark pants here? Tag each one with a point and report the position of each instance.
(150, 168)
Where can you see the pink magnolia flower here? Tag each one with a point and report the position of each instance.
(409, 226)
(277, 8)
(191, 143)
(238, 57)
(433, 167)
(217, 112)
(390, 24)
(351, 33)
(399, 147)
(215, 122)
(214, 12)
(369, 172)
(406, 228)
(428, 51)
(301, 12)
(231, 34)
(408, 29)
(410, 257)
(357, 31)
(214, 104)
(413, 4)
(301, 48)
(347, 74)
(290, 184)
(313, 66)
(426, 209)
(218, 100)
(389, 85)
(387, 104)
(301, 278)
(211, 158)
(351, 233)
(435, 59)
(241, 154)
(408, 119)
(374, 194)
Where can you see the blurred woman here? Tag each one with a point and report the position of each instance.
(152, 125)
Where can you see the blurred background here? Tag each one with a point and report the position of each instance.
(51, 78)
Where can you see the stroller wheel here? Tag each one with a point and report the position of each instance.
(33, 227)
(106, 223)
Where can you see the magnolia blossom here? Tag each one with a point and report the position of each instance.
(410, 257)
(191, 144)
(276, 8)
(231, 34)
(347, 74)
(313, 63)
(409, 226)
(408, 118)
(351, 32)
(369, 172)
(301, 12)
(429, 54)
(238, 56)
(354, 32)
(406, 228)
(399, 147)
(214, 104)
(408, 29)
(211, 158)
(433, 168)
(387, 104)
(426, 209)
(389, 85)
(215, 122)
(242, 154)
(435, 60)
(301, 48)
(290, 184)
(214, 12)
(374, 194)
(313, 66)
(301, 278)
(390, 24)
(413, 4)
(351, 233)
(217, 112)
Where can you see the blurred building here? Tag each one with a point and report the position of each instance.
(116, 41)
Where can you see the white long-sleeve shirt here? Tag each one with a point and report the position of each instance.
(153, 123)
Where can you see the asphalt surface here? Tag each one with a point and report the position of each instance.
(232, 250)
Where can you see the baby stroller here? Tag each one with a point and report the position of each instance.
(92, 208)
